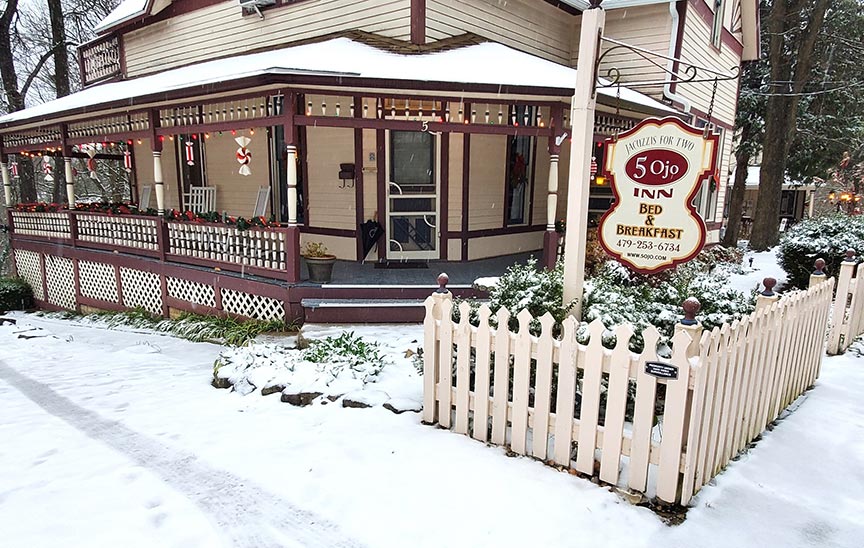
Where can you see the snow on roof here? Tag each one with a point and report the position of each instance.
(127, 9)
(752, 181)
(583, 5)
(486, 63)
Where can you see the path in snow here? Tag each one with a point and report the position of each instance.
(244, 512)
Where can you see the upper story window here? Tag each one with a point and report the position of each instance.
(717, 26)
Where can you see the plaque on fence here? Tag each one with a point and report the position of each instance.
(661, 370)
(656, 170)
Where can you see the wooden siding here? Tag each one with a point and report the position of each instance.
(221, 30)
(535, 27)
(505, 244)
(343, 247)
(454, 194)
(648, 27)
(487, 174)
(541, 181)
(236, 193)
(329, 205)
(370, 178)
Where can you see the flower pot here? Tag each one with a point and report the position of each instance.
(320, 268)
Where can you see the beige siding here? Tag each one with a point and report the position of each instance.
(144, 171)
(454, 196)
(454, 250)
(535, 27)
(541, 181)
(236, 193)
(486, 181)
(505, 244)
(221, 30)
(343, 247)
(648, 27)
(696, 48)
(370, 177)
(329, 205)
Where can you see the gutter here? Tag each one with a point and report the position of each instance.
(677, 32)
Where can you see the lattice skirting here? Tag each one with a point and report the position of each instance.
(98, 283)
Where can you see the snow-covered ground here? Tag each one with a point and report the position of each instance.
(116, 438)
(764, 266)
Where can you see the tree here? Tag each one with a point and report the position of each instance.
(793, 27)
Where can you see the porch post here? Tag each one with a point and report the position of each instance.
(550, 237)
(293, 250)
(158, 181)
(582, 117)
(70, 182)
(7, 182)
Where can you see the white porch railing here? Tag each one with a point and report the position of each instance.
(43, 224)
(684, 417)
(125, 231)
(261, 248)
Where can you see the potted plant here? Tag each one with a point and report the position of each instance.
(318, 262)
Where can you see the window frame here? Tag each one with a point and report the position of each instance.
(530, 170)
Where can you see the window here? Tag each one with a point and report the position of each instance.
(412, 161)
(520, 167)
(717, 26)
(190, 160)
(706, 198)
(279, 171)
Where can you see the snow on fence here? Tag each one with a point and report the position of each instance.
(848, 315)
(655, 425)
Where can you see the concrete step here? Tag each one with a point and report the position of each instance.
(363, 310)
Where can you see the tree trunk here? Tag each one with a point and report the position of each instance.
(61, 82)
(736, 199)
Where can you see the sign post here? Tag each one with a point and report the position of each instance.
(582, 140)
(656, 170)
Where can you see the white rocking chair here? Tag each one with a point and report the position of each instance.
(201, 199)
(261, 201)
(144, 198)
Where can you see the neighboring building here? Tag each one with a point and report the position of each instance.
(441, 119)
(796, 202)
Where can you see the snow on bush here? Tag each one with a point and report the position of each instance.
(826, 237)
(331, 366)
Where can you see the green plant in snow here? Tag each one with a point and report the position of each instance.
(15, 294)
(826, 237)
(346, 347)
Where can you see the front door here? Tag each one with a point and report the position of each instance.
(412, 196)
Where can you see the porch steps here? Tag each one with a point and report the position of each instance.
(363, 310)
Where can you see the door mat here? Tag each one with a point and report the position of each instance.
(401, 264)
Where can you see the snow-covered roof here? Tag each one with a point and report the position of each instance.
(487, 64)
(752, 181)
(126, 10)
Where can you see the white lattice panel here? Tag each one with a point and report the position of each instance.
(49, 225)
(252, 306)
(27, 265)
(192, 292)
(141, 290)
(121, 231)
(98, 281)
(60, 280)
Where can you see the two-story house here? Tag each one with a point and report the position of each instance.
(443, 121)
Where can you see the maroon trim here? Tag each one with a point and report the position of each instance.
(716, 225)
(355, 314)
(173, 10)
(292, 254)
(418, 22)
(681, 8)
(16, 149)
(76, 281)
(359, 212)
(212, 263)
(196, 308)
(45, 305)
(484, 232)
(44, 239)
(118, 248)
(163, 287)
(567, 8)
(409, 125)
(381, 165)
(701, 8)
(100, 304)
(44, 275)
(342, 232)
(531, 183)
(704, 115)
(121, 44)
(466, 175)
(119, 281)
(550, 249)
(444, 195)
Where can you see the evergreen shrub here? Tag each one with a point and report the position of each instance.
(826, 237)
(15, 294)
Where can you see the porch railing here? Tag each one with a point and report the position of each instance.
(271, 252)
(100, 60)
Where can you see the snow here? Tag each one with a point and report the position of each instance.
(487, 63)
(764, 266)
(127, 9)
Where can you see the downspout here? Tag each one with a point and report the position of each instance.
(677, 32)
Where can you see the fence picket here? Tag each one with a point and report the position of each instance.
(445, 368)
(766, 365)
(543, 388)
(698, 414)
(463, 368)
(566, 398)
(783, 350)
(751, 365)
(715, 386)
(616, 405)
(501, 380)
(738, 374)
(589, 412)
(674, 412)
(643, 413)
(481, 375)
(521, 384)
(844, 280)
(430, 360)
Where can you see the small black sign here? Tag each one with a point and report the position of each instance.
(661, 370)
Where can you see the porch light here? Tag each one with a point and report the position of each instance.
(233, 132)
(251, 131)
(139, 141)
(832, 195)
(600, 180)
(206, 135)
(170, 137)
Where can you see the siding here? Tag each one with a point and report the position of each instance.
(221, 30)
(487, 174)
(370, 178)
(541, 181)
(505, 244)
(454, 196)
(535, 27)
(329, 205)
(144, 171)
(236, 193)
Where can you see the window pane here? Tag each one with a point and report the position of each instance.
(411, 161)
(519, 166)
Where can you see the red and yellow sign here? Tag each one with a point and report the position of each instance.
(656, 170)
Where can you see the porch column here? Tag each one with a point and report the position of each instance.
(70, 182)
(292, 251)
(291, 166)
(158, 181)
(550, 237)
(7, 183)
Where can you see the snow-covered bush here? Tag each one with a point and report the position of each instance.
(826, 237)
(15, 294)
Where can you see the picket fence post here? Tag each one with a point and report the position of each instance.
(818, 275)
(844, 282)
(431, 347)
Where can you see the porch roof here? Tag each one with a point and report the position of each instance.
(487, 68)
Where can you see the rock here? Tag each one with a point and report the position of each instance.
(365, 398)
(4, 321)
(244, 387)
(301, 399)
(219, 382)
(401, 405)
(272, 389)
(348, 402)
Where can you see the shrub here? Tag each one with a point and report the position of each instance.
(15, 294)
(826, 237)
(347, 348)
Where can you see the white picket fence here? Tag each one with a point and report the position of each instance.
(545, 396)
(847, 320)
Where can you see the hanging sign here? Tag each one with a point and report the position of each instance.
(656, 170)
